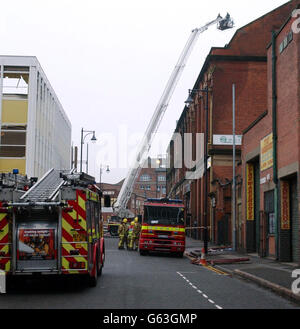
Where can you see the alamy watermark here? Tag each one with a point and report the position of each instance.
(2, 282)
(296, 283)
(120, 150)
(296, 23)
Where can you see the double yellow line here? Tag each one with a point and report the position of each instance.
(215, 270)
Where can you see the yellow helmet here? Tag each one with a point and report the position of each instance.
(136, 220)
(132, 223)
(125, 220)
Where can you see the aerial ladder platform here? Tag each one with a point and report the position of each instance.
(120, 206)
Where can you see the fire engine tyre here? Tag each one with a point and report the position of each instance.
(143, 252)
(101, 263)
(103, 256)
(180, 255)
(92, 280)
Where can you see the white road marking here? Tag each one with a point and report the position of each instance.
(200, 292)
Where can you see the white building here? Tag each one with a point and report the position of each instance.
(35, 130)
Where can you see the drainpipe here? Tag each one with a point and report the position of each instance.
(275, 138)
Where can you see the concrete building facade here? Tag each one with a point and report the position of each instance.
(35, 130)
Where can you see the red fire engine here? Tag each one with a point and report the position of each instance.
(54, 228)
(163, 228)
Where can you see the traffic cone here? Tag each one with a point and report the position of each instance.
(203, 258)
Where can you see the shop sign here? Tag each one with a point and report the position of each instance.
(108, 193)
(285, 205)
(227, 140)
(266, 153)
(250, 191)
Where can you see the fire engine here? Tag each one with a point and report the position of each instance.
(163, 227)
(52, 226)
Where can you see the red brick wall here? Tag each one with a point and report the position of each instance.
(250, 79)
(288, 99)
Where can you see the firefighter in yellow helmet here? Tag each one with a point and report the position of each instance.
(136, 234)
(123, 231)
(130, 236)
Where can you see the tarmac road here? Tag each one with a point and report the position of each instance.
(131, 281)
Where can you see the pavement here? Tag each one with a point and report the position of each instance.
(265, 272)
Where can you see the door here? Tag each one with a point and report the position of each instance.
(271, 223)
(294, 221)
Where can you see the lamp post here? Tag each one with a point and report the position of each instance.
(188, 102)
(93, 139)
(101, 172)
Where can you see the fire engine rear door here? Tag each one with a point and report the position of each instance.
(36, 246)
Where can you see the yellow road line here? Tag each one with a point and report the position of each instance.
(215, 270)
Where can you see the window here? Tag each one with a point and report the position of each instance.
(145, 178)
(142, 187)
(148, 188)
(161, 178)
(107, 201)
(15, 80)
(13, 141)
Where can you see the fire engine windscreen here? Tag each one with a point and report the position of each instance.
(163, 216)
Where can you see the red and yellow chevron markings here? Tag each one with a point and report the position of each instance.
(74, 237)
(5, 243)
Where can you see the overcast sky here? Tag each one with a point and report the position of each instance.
(109, 61)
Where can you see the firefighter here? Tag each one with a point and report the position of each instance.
(123, 231)
(130, 236)
(136, 234)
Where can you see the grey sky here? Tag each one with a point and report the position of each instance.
(109, 61)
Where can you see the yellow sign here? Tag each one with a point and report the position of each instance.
(266, 153)
(250, 191)
(285, 205)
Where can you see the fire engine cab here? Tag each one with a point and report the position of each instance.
(163, 228)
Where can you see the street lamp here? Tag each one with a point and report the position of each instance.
(101, 172)
(188, 102)
(93, 139)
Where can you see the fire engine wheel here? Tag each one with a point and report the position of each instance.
(143, 253)
(101, 264)
(180, 254)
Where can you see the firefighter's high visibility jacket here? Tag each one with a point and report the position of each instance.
(130, 230)
(137, 229)
(123, 229)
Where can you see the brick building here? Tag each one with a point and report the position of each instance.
(242, 62)
(271, 152)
